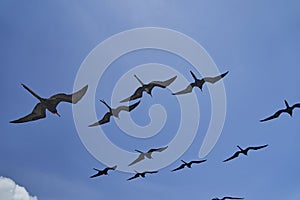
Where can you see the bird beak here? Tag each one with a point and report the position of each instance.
(57, 114)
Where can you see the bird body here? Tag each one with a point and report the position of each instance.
(39, 111)
(148, 88)
(289, 109)
(189, 164)
(143, 174)
(244, 151)
(113, 112)
(148, 154)
(200, 82)
(103, 172)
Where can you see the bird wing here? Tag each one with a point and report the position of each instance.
(179, 168)
(157, 150)
(215, 79)
(296, 105)
(98, 174)
(70, 98)
(126, 108)
(256, 148)
(161, 84)
(197, 161)
(140, 158)
(135, 176)
(188, 89)
(273, 116)
(105, 119)
(38, 112)
(231, 198)
(235, 155)
(150, 172)
(136, 95)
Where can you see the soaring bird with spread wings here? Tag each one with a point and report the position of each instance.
(103, 172)
(189, 164)
(244, 151)
(113, 112)
(148, 154)
(39, 111)
(148, 88)
(143, 174)
(199, 83)
(289, 109)
(224, 198)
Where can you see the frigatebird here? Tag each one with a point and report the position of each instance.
(224, 198)
(103, 172)
(148, 88)
(289, 109)
(148, 154)
(39, 111)
(189, 164)
(114, 112)
(199, 83)
(244, 151)
(143, 174)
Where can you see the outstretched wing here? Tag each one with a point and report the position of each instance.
(232, 157)
(188, 89)
(136, 95)
(150, 172)
(70, 98)
(104, 120)
(179, 168)
(215, 79)
(157, 150)
(296, 105)
(140, 158)
(99, 173)
(273, 116)
(256, 148)
(162, 84)
(38, 112)
(135, 176)
(197, 161)
(126, 108)
(231, 198)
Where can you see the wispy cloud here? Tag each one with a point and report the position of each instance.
(9, 190)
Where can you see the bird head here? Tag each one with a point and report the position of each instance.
(55, 112)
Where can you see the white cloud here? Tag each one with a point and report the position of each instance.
(9, 190)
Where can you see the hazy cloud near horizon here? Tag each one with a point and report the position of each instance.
(9, 190)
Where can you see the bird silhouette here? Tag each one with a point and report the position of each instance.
(39, 111)
(114, 112)
(148, 88)
(244, 151)
(103, 172)
(148, 154)
(224, 198)
(143, 174)
(189, 164)
(289, 109)
(199, 83)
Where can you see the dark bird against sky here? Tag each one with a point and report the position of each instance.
(143, 174)
(148, 154)
(50, 104)
(199, 83)
(148, 88)
(244, 151)
(103, 172)
(289, 109)
(224, 198)
(189, 164)
(114, 112)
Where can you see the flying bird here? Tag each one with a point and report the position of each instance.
(114, 112)
(143, 174)
(148, 154)
(289, 109)
(189, 164)
(200, 82)
(103, 172)
(39, 111)
(224, 198)
(148, 88)
(244, 151)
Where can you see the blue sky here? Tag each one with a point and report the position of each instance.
(44, 44)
